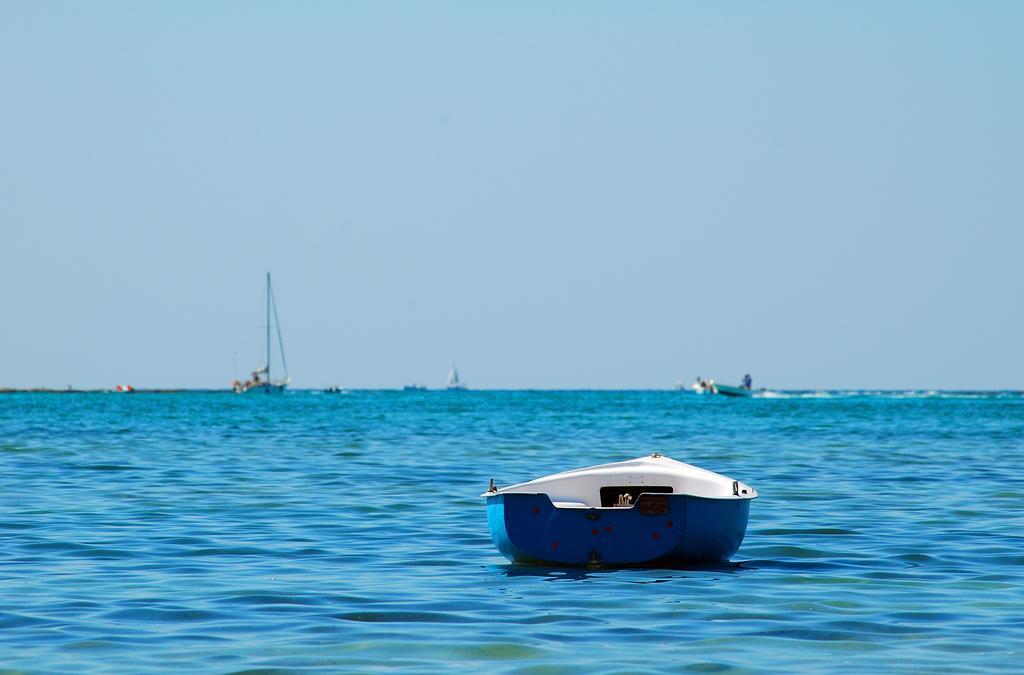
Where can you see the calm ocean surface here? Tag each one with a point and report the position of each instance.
(213, 532)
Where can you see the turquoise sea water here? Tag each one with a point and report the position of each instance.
(212, 532)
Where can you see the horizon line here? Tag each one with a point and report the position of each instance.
(687, 390)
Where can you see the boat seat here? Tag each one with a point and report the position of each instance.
(570, 505)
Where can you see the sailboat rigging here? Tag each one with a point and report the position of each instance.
(266, 383)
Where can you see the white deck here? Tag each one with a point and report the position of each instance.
(581, 488)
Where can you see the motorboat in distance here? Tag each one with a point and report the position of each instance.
(745, 390)
(651, 510)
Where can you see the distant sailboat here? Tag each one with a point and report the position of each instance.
(266, 384)
(454, 383)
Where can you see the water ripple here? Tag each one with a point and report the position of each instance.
(344, 533)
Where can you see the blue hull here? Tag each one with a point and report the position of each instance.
(527, 528)
(264, 389)
(735, 392)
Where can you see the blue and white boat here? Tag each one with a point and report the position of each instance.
(647, 511)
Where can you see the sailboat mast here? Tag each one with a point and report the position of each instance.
(268, 327)
(277, 327)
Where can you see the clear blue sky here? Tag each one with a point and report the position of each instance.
(550, 194)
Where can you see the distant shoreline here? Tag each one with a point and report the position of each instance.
(768, 392)
(47, 390)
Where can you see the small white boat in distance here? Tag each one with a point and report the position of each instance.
(649, 510)
(702, 386)
(454, 383)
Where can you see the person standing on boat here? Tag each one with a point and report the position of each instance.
(747, 382)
